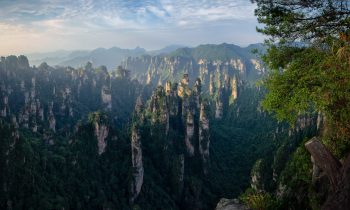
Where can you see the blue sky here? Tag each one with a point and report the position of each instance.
(47, 25)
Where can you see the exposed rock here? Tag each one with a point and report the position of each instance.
(136, 157)
(234, 92)
(204, 137)
(230, 204)
(258, 66)
(106, 97)
(238, 64)
(101, 133)
(189, 134)
(183, 90)
(52, 123)
(123, 73)
(138, 105)
(173, 100)
(35, 128)
(168, 88)
(197, 92)
(211, 85)
(258, 176)
(14, 121)
(3, 112)
(219, 105)
(6, 100)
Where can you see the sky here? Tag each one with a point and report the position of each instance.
(28, 26)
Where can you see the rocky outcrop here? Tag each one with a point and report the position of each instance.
(211, 70)
(233, 89)
(106, 97)
(136, 154)
(52, 123)
(183, 89)
(230, 204)
(45, 98)
(101, 133)
(160, 109)
(189, 134)
(260, 176)
(204, 137)
(219, 105)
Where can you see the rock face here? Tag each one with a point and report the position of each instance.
(219, 105)
(179, 132)
(230, 204)
(52, 123)
(201, 62)
(101, 133)
(106, 97)
(45, 98)
(204, 137)
(259, 176)
(189, 134)
(136, 156)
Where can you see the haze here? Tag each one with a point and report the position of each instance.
(46, 25)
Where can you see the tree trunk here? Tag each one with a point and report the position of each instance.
(338, 175)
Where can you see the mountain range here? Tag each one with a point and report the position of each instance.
(114, 56)
(110, 57)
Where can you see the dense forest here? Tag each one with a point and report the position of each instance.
(90, 139)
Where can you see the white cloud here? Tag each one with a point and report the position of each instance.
(52, 24)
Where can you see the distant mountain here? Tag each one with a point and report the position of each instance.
(52, 58)
(166, 50)
(215, 52)
(111, 57)
(114, 56)
(210, 62)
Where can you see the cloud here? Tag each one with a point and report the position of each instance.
(95, 21)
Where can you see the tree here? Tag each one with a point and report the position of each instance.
(303, 20)
(309, 60)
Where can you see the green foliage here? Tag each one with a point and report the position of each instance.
(259, 200)
(98, 117)
(311, 76)
(288, 20)
(295, 181)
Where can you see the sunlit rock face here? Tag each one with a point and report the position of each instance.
(258, 65)
(234, 90)
(101, 133)
(210, 66)
(183, 89)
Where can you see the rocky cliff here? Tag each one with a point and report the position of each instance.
(53, 99)
(179, 129)
(214, 65)
(136, 152)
